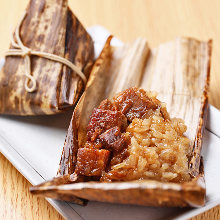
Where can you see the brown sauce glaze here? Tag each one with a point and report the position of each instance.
(134, 103)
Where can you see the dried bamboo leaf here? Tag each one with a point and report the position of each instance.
(147, 193)
(49, 26)
(169, 70)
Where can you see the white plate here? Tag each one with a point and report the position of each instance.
(34, 145)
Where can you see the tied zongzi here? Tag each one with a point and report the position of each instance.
(48, 62)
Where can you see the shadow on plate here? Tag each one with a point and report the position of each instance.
(60, 120)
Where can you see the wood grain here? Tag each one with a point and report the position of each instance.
(16, 202)
(157, 20)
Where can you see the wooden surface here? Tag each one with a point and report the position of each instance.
(156, 20)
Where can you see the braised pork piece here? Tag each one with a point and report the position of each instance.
(132, 137)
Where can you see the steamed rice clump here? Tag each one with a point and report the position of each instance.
(158, 150)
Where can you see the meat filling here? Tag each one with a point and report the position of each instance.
(91, 162)
(132, 137)
(102, 120)
(134, 103)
